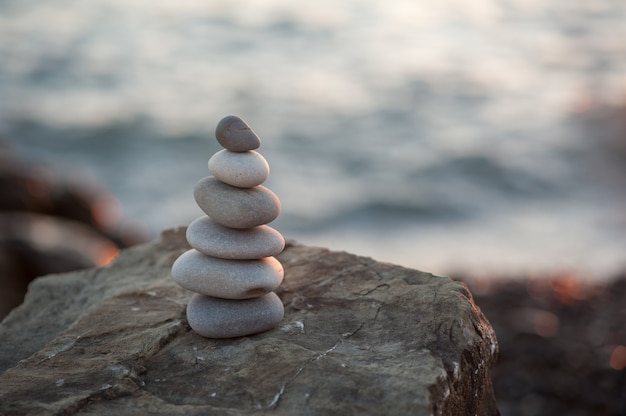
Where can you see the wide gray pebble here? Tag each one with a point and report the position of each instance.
(236, 207)
(213, 239)
(225, 318)
(229, 279)
(235, 135)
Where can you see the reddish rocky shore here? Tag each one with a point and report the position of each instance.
(562, 344)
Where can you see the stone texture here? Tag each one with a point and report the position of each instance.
(215, 240)
(228, 279)
(235, 135)
(240, 169)
(236, 207)
(358, 337)
(226, 318)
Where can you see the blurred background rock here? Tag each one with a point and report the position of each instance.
(50, 225)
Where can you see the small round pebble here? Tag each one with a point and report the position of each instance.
(213, 239)
(236, 207)
(229, 279)
(225, 318)
(241, 169)
(235, 135)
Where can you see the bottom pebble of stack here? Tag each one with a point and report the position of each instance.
(226, 318)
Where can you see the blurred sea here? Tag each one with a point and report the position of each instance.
(451, 136)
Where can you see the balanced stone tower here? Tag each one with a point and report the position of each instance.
(231, 265)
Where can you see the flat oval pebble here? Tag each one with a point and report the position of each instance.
(225, 318)
(241, 169)
(229, 279)
(213, 239)
(235, 135)
(236, 207)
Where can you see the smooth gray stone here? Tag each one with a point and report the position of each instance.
(236, 207)
(226, 318)
(240, 169)
(235, 135)
(213, 239)
(229, 279)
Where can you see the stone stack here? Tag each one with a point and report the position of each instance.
(231, 265)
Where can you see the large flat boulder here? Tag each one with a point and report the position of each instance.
(358, 337)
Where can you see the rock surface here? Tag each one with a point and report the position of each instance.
(358, 337)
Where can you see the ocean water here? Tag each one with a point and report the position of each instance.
(483, 137)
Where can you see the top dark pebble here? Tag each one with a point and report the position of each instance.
(235, 135)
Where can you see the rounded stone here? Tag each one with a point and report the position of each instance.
(224, 278)
(226, 318)
(236, 207)
(235, 135)
(240, 169)
(213, 239)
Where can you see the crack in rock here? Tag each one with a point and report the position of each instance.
(368, 291)
(281, 390)
(274, 402)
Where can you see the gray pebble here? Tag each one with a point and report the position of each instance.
(223, 278)
(241, 169)
(235, 135)
(225, 318)
(213, 239)
(236, 207)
